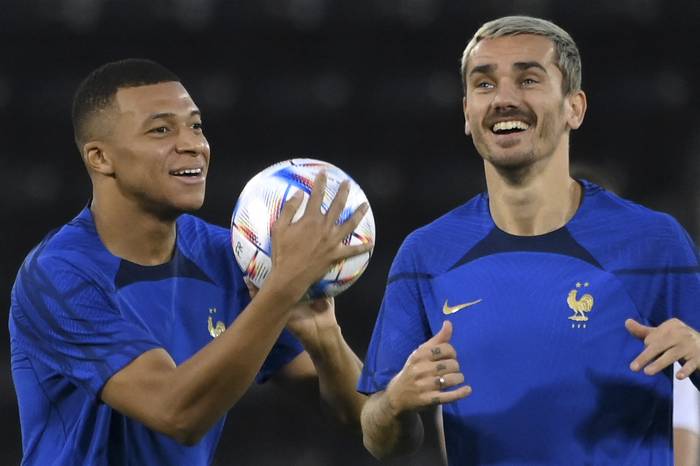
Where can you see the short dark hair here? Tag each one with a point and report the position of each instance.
(98, 89)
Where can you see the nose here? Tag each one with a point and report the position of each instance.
(506, 96)
(191, 142)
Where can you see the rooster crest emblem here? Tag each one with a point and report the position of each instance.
(217, 330)
(581, 305)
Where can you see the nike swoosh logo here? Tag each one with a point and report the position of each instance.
(447, 310)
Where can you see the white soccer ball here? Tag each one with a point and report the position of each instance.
(261, 202)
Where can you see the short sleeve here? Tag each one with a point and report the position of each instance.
(664, 280)
(401, 325)
(679, 292)
(67, 320)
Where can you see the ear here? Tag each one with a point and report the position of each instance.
(97, 159)
(467, 130)
(577, 109)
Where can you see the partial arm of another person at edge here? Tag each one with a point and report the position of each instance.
(185, 401)
(686, 422)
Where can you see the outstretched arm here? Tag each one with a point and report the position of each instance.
(185, 401)
(328, 369)
(391, 425)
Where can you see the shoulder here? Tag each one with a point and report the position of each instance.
(445, 240)
(612, 225)
(69, 265)
(73, 248)
(608, 211)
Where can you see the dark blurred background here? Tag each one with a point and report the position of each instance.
(371, 86)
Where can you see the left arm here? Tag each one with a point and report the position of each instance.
(672, 298)
(671, 341)
(328, 368)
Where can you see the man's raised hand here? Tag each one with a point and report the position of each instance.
(429, 371)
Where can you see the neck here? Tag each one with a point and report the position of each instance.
(538, 199)
(131, 233)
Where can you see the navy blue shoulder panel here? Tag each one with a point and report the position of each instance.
(179, 266)
(556, 242)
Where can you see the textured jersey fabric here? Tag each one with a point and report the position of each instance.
(541, 339)
(79, 314)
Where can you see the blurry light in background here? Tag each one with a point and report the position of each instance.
(419, 12)
(644, 11)
(304, 14)
(444, 89)
(673, 88)
(216, 92)
(385, 181)
(38, 184)
(532, 7)
(81, 15)
(194, 14)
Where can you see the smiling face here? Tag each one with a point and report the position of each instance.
(514, 106)
(154, 154)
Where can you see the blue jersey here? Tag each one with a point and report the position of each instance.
(80, 314)
(539, 331)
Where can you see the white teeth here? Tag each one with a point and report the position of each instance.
(508, 125)
(188, 171)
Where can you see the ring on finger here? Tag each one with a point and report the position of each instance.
(440, 382)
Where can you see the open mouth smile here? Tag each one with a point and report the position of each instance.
(509, 127)
(187, 172)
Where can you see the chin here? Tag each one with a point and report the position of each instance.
(514, 161)
(177, 207)
(194, 206)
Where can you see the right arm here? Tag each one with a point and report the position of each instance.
(386, 432)
(391, 425)
(185, 401)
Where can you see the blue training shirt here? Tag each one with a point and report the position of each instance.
(541, 339)
(79, 314)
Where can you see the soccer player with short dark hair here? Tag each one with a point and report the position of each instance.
(561, 305)
(132, 329)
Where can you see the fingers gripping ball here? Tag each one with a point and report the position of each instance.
(260, 204)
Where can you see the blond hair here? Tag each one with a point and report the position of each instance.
(569, 59)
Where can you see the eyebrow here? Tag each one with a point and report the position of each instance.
(156, 116)
(526, 65)
(521, 66)
(482, 69)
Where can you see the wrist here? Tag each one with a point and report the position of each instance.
(284, 292)
(321, 339)
(391, 403)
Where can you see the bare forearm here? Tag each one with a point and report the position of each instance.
(338, 371)
(185, 401)
(214, 379)
(385, 433)
(686, 447)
